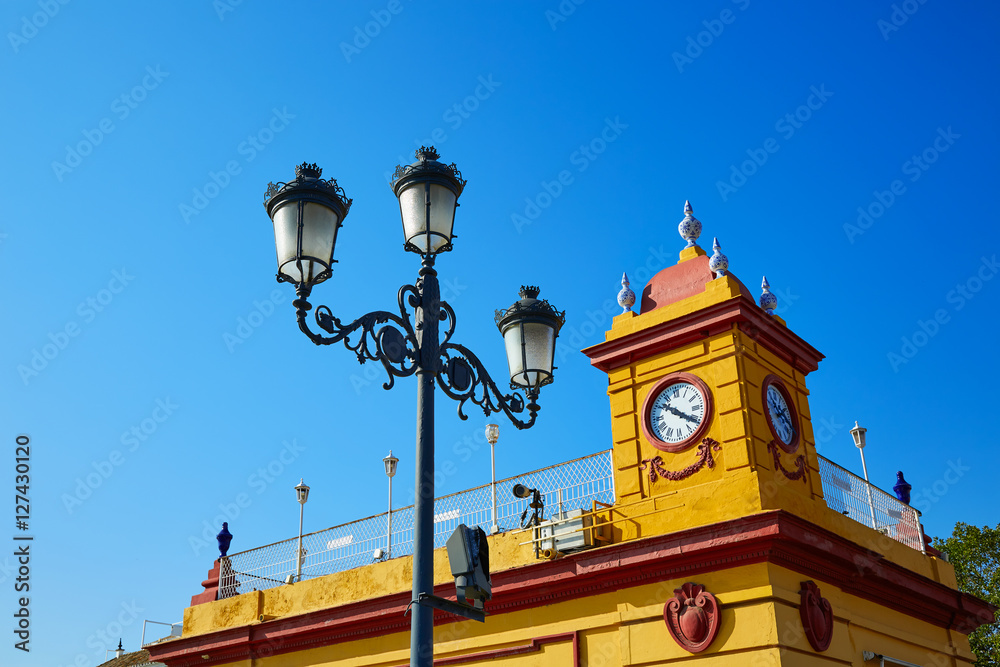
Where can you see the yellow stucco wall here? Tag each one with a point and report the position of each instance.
(760, 626)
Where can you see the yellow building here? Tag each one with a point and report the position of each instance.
(723, 538)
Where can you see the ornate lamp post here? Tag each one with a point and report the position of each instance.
(307, 213)
(390, 472)
(302, 495)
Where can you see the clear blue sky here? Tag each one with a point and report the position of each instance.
(124, 254)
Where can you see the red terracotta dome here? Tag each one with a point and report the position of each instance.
(680, 281)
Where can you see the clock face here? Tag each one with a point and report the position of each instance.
(780, 414)
(677, 412)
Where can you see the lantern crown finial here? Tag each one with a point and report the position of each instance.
(529, 292)
(425, 153)
(308, 170)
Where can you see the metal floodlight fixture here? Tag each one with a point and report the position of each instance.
(306, 212)
(302, 492)
(529, 329)
(858, 433)
(428, 193)
(469, 556)
(492, 433)
(390, 465)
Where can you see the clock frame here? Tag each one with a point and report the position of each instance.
(779, 385)
(654, 393)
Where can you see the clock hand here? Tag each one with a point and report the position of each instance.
(682, 415)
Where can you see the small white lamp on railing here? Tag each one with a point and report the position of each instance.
(390, 472)
(492, 435)
(858, 433)
(302, 494)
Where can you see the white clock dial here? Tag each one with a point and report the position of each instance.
(677, 412)
(781, 415)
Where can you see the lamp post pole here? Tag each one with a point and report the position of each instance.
(390, 472)
(492, 435)
(858, 433)
(302, 495)
(307, 214)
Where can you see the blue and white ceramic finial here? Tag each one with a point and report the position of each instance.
(767, 300)
(718, 262)
(690, 227)
(626, 297)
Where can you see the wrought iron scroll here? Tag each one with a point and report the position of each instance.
(464, 378)
(800, 464)
(705, 458)
(384, 337)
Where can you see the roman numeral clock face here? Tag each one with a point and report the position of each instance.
(677, 412)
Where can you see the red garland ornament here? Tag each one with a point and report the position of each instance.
(817, 616)
(692, 617)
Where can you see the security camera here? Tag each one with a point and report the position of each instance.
(521, 491)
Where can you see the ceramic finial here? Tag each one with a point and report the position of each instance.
(767, 300)
(626, 297)
(718, 262)
(902, 488)
(690, 227)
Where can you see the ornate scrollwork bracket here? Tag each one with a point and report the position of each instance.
(801, 470)
(464, 378)
(384, 337)
(705, 458)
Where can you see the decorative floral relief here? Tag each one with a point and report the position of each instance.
(705, 458)
(800, 464)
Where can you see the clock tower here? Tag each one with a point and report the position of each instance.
(709, 407)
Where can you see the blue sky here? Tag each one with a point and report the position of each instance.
(846, 150)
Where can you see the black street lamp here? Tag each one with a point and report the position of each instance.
(307, 213)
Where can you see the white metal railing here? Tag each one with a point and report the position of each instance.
(855, 498)
(351, 545)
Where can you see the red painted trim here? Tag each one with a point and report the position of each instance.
(796, 424)
(211, 586)
(654, 393)
(774, 537)
(535, 646)
(702, 324)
